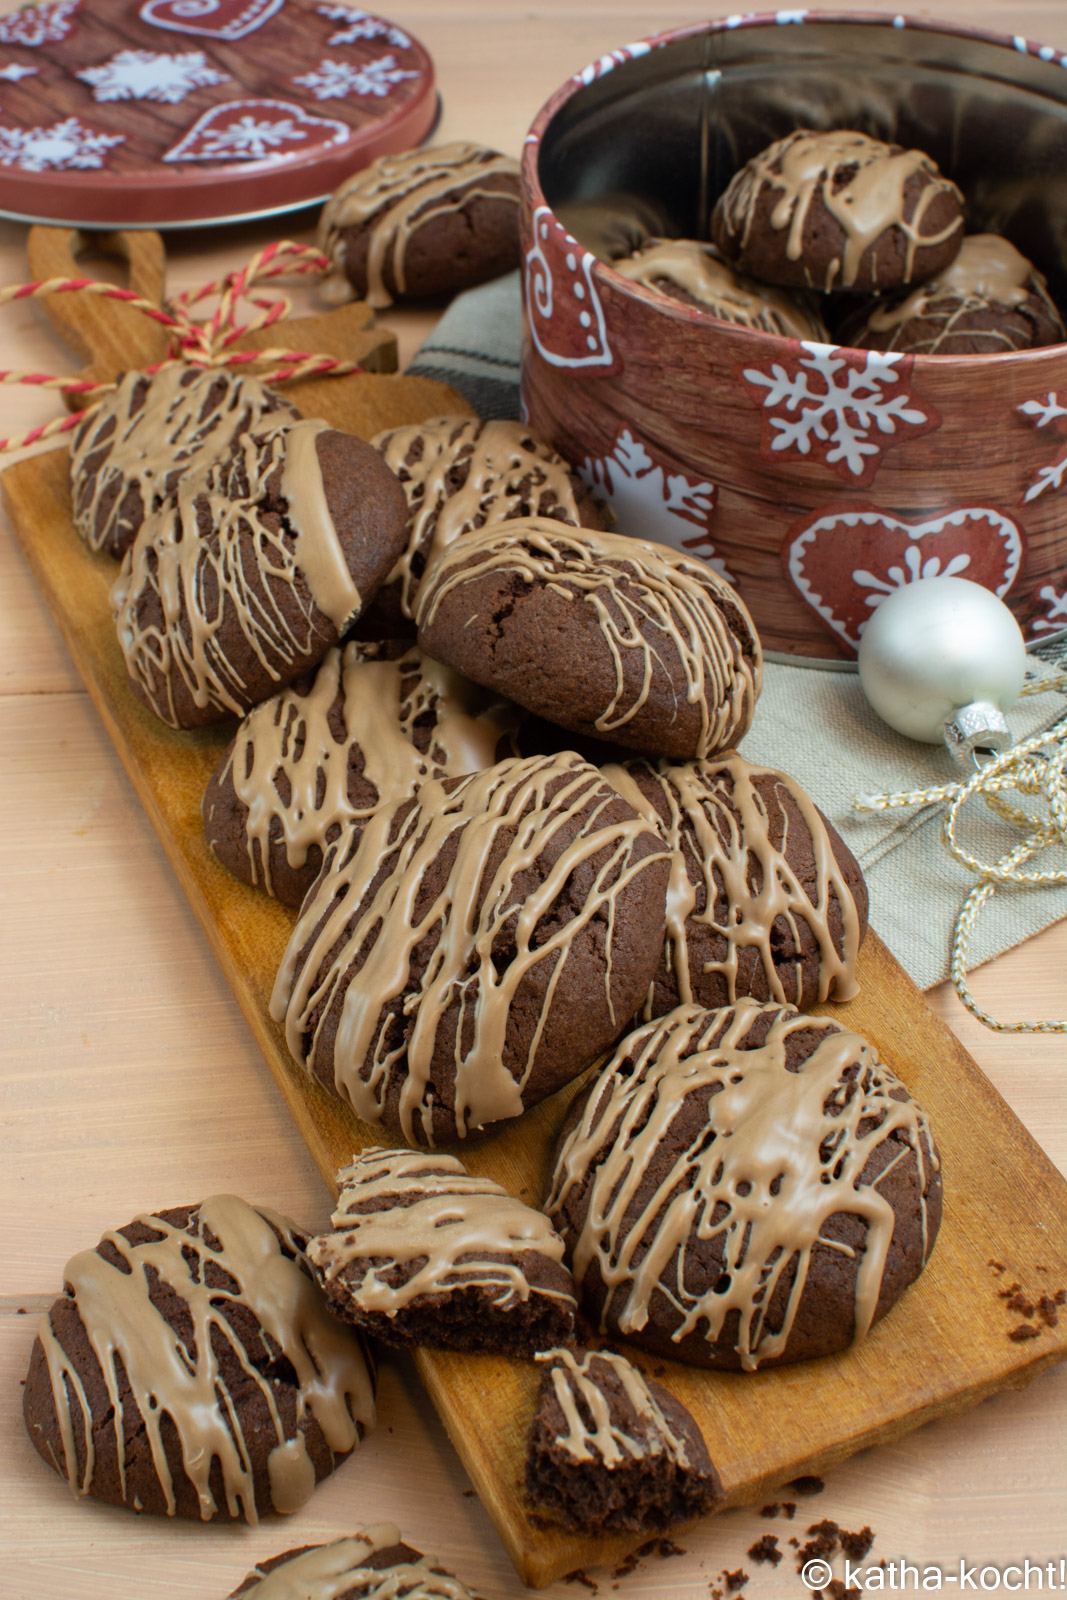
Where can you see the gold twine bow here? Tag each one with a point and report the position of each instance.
(1035, 767)
(202, 344)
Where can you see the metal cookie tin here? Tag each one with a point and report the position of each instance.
(817, 477)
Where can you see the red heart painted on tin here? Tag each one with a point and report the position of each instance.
(846, 559)
(217, 19)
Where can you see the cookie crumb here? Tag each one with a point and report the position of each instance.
(823, 1543)
(766, 1549)
(999, 1267)
(856, 1545)
(1012, 1289)
(735, 1580)
(789, 1509)
(770, 1511)
(578, 1576)
(1025, 1330)
(810, 1486)
(1046, 1310)
(1021, 1304)
(468, 1493)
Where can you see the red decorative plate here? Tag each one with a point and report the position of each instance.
(166, 113)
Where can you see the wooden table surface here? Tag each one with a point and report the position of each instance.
(129, 1079)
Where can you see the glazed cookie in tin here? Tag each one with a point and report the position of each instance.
(693, 273)
(745, 1187)
(248, 579)
(191, 1368)
(424, 222)
(838, 210)
(613, 638)
(471, 950)
(153, 432)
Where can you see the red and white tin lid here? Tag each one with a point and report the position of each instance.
(169, 113)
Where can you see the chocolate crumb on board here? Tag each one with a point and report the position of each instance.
(578, 1576)
(766, 1549)
(1021, 1304)
(1046, 1310)
(1025, 1330)
(999, 1267)
(856, 1545)
(789, 1509)
(1010, 1291)
(735, 1580)
(770, 1511)
(835, 1590)
(822, 1543)
(809, 1486)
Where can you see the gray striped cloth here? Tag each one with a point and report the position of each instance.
(817, 725)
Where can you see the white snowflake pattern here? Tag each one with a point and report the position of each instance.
(144, 75)
(335, 80)
(63, 146)
(1046, 411)
(917, 567)
(14, 73)
(831, 401)
(248, 138)
(36, 25)
(1057, 611)
(651, 504)
(361, 25)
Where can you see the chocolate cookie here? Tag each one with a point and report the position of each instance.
(426, 1254)
(613, 638)
(837, 210)
(744, 1187)
(424, 222)
(766, 899)
(610, 1450)
(460, 474)
(475, 948)
(191, 1368)
(150, 434)
(248, 580)
(696, 275)
(374, 1564)
(989, 301)
(373, 723)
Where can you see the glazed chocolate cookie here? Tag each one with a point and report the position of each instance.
(248, 580)
(766, 899)
(838, 210)
(744, 1187)
(149, 435)
(426, 1254)
(613, 638)
(989, 302)
(374, 1564)
(474, 949)
(696, 275)
(373, 723)
(191, 1368)
(424, 222)
(460, 474)
(610, 1450)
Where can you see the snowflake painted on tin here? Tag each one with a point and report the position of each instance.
(143, 75)
(653, 504)
(63, 146)
(833, 407)
(37, 25)
(361, 25)
(1046, 411)
(14, 73)
(335, 80)
(1056, 605)
(248, 138)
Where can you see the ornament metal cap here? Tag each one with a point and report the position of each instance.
(979, 726)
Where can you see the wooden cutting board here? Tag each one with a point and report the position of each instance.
(946, 1345)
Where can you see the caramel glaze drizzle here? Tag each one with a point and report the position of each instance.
(286, 747)
(507, 473)
(401, 1209)
(159, 439)
(404, 192)
(261, 1253)
(338, 1571)
(805, 166)
(371, 904)
(214, 560)
(989, 273)
(716, 821)
(592, 1432)
(780, 1153)
(695, 267)
(667, 600)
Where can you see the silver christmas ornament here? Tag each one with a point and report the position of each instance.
(944, 659)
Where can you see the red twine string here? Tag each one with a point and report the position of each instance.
(192, 343)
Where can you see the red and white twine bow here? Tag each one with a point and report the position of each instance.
(200, 344)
